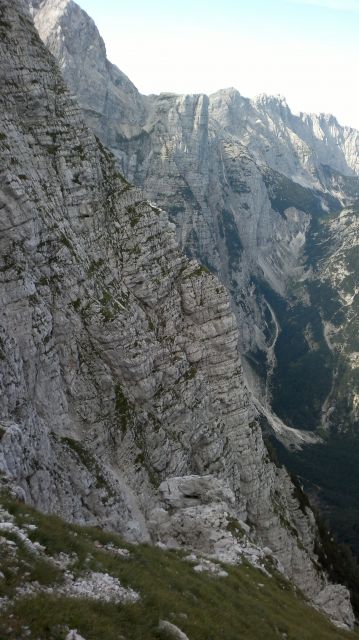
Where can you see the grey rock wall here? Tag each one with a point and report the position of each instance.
(241, 179)
(119, 358)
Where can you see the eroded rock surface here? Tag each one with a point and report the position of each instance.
(243, 180)
(119, 356)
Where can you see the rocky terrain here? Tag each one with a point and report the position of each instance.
(266, 200)
(78, 583)
(123, 402)
(245, 181)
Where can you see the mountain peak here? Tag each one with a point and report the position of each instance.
(269, 100)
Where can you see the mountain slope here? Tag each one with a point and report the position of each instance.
(256, 194)
(244, 181)
(123, 401)
(164, 586)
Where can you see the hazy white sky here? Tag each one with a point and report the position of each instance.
(306, 50)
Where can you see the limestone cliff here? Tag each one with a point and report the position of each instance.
(119, 359)
(243, 180)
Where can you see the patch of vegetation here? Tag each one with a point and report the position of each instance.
(52, 149)
(233, 175)
(9, 263)
(79, 149)
(338, 561)
(76, 304)
(190, 373)
(352, 263)
(33, 298)
(285, 193)
(235, 528)
(38, 569)
(247, 604)
(2, 349)
(299, 494)
(200, 270)
(302, 378)
(258, 362)
(272, 452)
(88, 460)
(108, 310)
(95, 266)
(123, 408)
(134, 215)
(76, 179)
(348, 184)
(67, 243)
(4, 24)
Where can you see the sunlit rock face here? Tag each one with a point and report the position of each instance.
(243, 180)
(119, 356)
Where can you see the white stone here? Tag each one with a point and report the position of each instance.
(173, 631)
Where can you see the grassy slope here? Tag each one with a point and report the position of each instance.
(204, 607)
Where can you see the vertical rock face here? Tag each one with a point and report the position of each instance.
(119, 361)
(111, 92)
(243, 180)
(296, 146)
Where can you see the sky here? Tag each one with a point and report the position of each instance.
(305, 50)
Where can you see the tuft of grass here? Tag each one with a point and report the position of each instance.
(123, 408)
(235, 528)
(201, 269)
(190, 373)
(88, 461)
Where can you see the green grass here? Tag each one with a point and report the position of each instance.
(205, 608)
(190, 373)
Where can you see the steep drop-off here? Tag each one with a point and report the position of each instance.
(122, 395)
(246, 182)
(84, 583)
(266, 200)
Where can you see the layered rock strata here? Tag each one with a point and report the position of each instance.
(119, 359)
(242, 180)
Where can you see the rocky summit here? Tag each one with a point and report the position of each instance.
(123, 400)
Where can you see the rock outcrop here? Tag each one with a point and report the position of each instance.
(119, 359)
